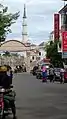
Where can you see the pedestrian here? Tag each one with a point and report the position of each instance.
(51, 74)
(44, 74)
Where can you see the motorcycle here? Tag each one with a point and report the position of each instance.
(7, 103)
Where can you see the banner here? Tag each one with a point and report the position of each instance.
(64, 41)
(56, 26)
(64, 44)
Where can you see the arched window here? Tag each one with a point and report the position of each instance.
(39, 53)
(33, 57)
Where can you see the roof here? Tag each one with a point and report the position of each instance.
(33, 45)
(14, 41)
(41, 44)
(64, 9)
(14, 46)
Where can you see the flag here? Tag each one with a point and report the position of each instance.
(56, 26)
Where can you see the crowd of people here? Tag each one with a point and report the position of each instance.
(20, 68)
(52, 74)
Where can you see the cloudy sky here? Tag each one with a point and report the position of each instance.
(39, 18)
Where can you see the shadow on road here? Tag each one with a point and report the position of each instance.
(8, 117)
(19, 108)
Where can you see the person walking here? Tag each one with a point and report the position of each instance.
(51, 74)
(44, 74)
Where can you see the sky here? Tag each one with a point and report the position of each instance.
(39, 18)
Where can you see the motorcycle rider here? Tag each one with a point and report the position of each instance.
(5, 82)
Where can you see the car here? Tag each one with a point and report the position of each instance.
(57, 76)
(57, 72)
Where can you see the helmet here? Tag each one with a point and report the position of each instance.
(3, 68)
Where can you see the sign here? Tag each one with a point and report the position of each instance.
(64, 41)
(64, 44)
(56, 26)
(64, 55)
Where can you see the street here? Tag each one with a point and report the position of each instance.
(37, 100)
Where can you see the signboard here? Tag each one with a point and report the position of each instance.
(64, 44)
(64, 41)
(56, 26)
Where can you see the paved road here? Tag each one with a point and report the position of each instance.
(37, 100)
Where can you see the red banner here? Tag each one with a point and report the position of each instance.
(56, 26)
(64, 41)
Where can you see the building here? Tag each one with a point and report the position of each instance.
(63, 22)
(36, 51)
(63, 13)
(42, 52)
(31, 52)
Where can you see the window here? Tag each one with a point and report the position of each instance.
(30, 61)
(33, 57)
(39, 53)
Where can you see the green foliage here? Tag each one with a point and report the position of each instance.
(53, 54)
(6, 20)
(7, 54)
(15, 54)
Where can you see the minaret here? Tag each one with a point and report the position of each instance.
(24, 25)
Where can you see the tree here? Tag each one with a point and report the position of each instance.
(7, 54)
(15, 54)
(6, 20)
(52, 53)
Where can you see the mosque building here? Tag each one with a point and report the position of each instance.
(32, 53)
